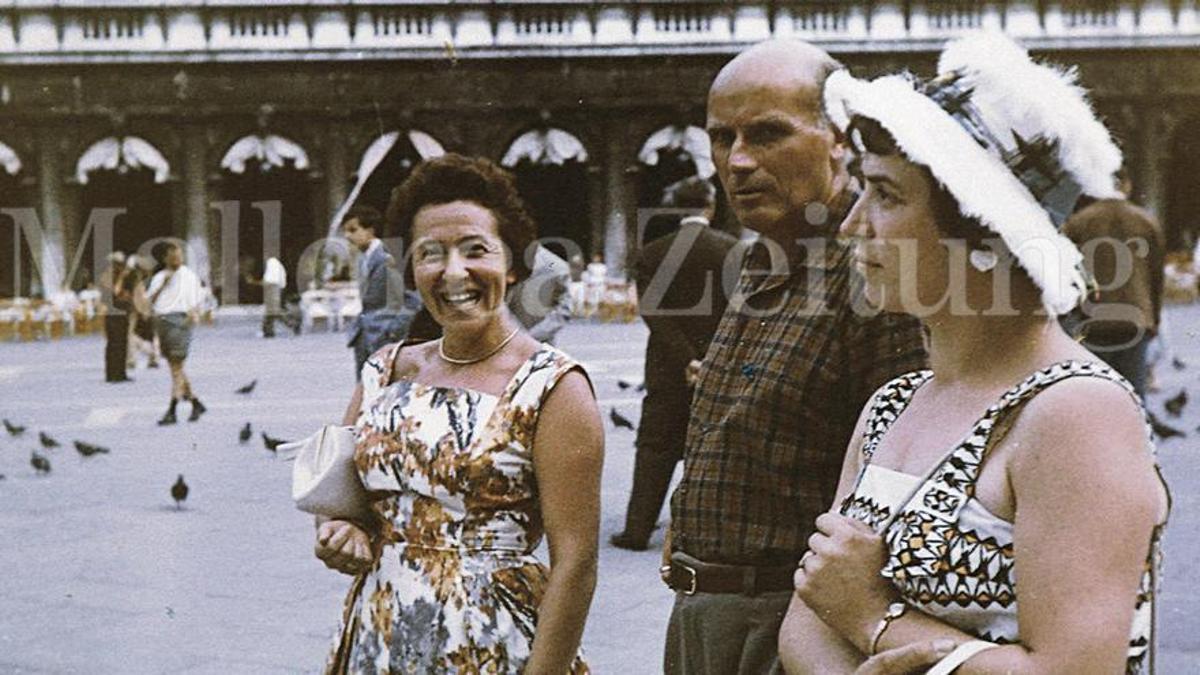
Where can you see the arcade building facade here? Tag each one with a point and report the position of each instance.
(222, 123)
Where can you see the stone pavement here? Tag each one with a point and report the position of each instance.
(101, 574)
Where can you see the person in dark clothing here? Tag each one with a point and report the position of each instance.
(116, 320)
(387, 307)
(681, 300)
(1123, 252)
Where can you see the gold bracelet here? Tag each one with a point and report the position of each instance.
(894, 611)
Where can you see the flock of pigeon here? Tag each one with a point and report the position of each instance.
(179, 490)
(40, 461)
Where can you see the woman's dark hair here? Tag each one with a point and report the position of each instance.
(872, 137)
(452, 178)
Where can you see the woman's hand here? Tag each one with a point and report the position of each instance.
(343, 546)
(839, 577)
(916, 657)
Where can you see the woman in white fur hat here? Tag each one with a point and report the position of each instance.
(1018, 455)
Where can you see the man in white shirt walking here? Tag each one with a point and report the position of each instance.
(175, 296)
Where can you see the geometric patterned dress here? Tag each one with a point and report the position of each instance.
(454, 586)
(947, 554)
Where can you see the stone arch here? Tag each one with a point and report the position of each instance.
(10, 161)
(668, 155)
(544, 146)
(551, 167)
(267, 192)
(16, 259)
(383, 165)
(130, 173)
(269, 151)
(122, 154)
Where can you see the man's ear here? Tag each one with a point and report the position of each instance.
(839, 154)
(840, 150)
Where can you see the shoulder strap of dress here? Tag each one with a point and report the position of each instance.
(538, 375)
(952, 482)
(889, 401)
(377, 370)
(1039, 381)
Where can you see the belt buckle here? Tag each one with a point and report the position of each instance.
(691, 589)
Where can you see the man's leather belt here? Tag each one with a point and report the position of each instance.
(690, 576)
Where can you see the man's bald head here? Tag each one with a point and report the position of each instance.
(793, 65)
(775, 151)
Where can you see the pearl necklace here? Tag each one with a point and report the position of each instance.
(467, 362)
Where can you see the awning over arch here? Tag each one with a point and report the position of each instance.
(115, 154)
(545, 146)
(270, 151)
(425, 145)
(692, 140)
(9, 160)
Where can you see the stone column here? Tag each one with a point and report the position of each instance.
(336, 175)
(1154, 154)
(619, 206)
(195, 196)
(49, 254)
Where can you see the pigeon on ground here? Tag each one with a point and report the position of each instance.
(47, 442)
(272, 444)
(1175, 404)
(1161, 430)
(13, 430)
(247, 388)
(619, 420)
(39, 463)
(245, 433)
(87, 449)
(179, 492)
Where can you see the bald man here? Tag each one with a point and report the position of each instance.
(794, 359)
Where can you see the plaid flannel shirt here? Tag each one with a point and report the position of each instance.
(778, 396)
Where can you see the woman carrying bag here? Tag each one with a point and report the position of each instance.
(472, 447)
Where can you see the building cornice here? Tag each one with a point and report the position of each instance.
(51, 32)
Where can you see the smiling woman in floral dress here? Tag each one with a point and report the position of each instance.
(475, 445)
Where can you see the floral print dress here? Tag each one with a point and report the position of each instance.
(454, 586)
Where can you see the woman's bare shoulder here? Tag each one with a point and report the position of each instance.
(1087, 427)
(1087, 405)
(411, 359)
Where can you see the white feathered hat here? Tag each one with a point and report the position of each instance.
(1015, 142)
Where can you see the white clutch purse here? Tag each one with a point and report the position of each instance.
(324, 479)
